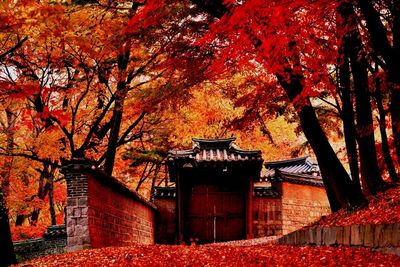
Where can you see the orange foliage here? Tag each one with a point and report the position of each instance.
(211, 113)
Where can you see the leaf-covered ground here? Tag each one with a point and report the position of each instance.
(384, 208)
(207, 255)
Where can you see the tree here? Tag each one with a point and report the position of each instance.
(382, 26)
(352, 46)
(276, 34)
(85, 92)
(382, 127)
(7, 256)
(11, 40)
(48, 60)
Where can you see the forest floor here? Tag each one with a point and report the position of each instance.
(214, 255)
(384, 208)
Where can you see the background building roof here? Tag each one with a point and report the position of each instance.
(303, 165)
(297, 178)
(301, 170)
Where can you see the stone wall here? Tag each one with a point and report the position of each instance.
(54, 241)
(267, 216)
(101, 211)
(77, 222)
(302, 205)
(385, 238)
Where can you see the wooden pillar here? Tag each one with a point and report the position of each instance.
(179, 207)
(249, 210)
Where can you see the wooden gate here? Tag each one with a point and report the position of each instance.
(215, 213)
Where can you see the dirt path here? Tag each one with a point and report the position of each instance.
(250, 242)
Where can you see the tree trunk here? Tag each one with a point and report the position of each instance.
(382, 127)
(51, 201)
(120, 95)
(145, 174)
(341, 191)
(43, 189)
(35, 216)
(345, 10)
(370, 174)
(153, 181)
(394, 79)
(347, 115)
(391, 54)
(7, 255)
(50, 183)
(114, 135)
(395, 116)
(264, 129)
(20, 219)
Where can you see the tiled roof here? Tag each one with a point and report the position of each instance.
(297, 178)
(216, 150)
(217, 154)
(299, 170)
(287, 162)
(297, 165)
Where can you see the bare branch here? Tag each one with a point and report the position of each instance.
(16, 46)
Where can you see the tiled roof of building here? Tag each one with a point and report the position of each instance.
(297, 178)
(287, 162)
(296, 165)
(216, 150)
(298, 170)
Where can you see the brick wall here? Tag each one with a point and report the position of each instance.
(103, 212)
(166, 218)
(116, 219)
(267, 216)
(301, 205)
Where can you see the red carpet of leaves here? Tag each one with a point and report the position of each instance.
(267, 255)
(383, 208)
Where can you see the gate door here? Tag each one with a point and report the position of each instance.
(215, 214)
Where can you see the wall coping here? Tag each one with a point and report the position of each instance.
(380, 237)
(307, 227)
(81, 166)
(28, 241)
